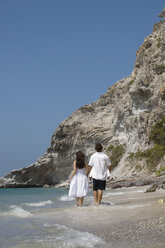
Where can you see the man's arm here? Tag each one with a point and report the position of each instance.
(90, 168)
(109, 168)
(86, 169)
(90, 164)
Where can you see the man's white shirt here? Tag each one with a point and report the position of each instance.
(99, 162)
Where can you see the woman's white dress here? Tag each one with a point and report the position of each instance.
(79, 186)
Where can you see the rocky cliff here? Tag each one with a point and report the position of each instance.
(122, 118)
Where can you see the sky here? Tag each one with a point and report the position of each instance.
(56, 56)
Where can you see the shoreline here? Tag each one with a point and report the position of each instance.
(112, 183)
(125, 183)
(128, 220)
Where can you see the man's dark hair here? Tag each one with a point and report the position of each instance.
(98, 147)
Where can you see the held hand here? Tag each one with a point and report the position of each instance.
(69, 179)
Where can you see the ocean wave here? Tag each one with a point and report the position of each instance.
(38, 204)
(70, 238)
(132, 206)
(137, 191)
(66, 198)
(137, 206)
(114, 194)
(124, 192)
(16, 212)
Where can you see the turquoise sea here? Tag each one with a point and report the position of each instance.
(48, 218)
(22, 225)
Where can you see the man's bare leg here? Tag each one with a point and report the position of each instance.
(100, 194)
(95, 193)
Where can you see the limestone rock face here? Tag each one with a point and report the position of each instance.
(123, 115)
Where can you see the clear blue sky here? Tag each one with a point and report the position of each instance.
(57, 55)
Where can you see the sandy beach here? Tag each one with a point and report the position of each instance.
(127, 217)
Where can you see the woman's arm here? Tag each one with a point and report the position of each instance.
(73, 171)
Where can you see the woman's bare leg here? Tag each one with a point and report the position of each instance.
(77, 200)
(81, 201)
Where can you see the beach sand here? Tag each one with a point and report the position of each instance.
(126, 218)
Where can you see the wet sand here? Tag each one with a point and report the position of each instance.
(127, 218)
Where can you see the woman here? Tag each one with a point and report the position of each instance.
(79, 179)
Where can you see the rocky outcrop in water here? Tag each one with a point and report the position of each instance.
(124, 115)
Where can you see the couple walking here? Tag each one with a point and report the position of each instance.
(98, 170)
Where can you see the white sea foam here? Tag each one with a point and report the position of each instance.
(137, 191)
(124, 192)
(70, 238)
(137, 206)
(114, 194)
(38, 204)
(66, 198)
(17, 212)
(132, 206)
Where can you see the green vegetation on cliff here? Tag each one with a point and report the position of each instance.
(156, 153)
(116, 153)
(130, 83)
(158, 132)
(159, 69)
(160, 172)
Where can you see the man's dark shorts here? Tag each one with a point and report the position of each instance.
(99, 184)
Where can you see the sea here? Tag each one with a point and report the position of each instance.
(49, 218)
(23, 226)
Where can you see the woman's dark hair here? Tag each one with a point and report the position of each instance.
(80, 160)
(98, 147)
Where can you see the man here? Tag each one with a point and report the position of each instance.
(99, 165)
